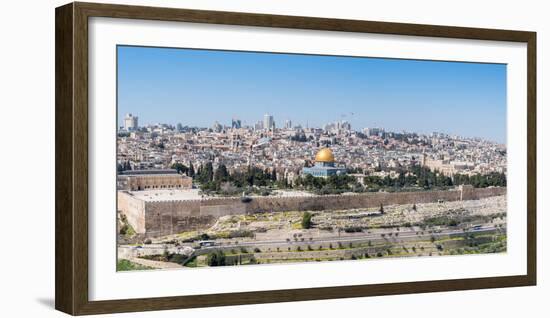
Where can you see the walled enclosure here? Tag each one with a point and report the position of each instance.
(160, 218)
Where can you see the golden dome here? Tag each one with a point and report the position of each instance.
(324, 155)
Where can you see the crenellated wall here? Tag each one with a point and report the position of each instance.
(159, 218)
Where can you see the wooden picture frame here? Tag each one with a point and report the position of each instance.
(71, 221)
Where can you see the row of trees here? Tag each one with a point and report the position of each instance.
(331, 185)
(221, 180)
(428, 179)
(123, 166)
(494, 179)
(425, 178)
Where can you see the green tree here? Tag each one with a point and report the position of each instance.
(191, 172)
(221, 173)
(206, 173)
(216, 258)
(306, 220)
(180, 168)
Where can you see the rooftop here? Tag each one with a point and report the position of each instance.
(166, 195)
(193, 194)
(322, 168)
(152, 171)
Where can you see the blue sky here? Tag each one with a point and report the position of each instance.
(198, 87)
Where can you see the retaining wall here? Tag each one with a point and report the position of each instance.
(159, 218)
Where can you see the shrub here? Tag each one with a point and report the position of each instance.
(123, 229)
(353, 229)
(246, 199)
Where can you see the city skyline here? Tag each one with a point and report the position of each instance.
(173, 86)
(281, 125)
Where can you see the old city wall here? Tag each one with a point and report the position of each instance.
(352, 201)
(470, 193)
(170, 217)
(365, 200)
(133, 209)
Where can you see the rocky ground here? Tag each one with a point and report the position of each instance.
(285, 224)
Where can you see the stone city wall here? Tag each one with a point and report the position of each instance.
(171, 217)
(365, 200)
(133, 209)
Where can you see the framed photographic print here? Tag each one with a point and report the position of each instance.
(211, 158)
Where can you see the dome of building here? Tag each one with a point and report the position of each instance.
(324, 155)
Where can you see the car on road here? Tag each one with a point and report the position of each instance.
(206, 243)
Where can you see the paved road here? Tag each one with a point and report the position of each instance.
(130, 251)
